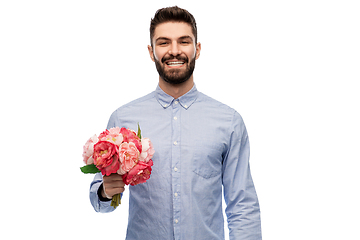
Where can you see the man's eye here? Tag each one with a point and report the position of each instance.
(163, 43)
(185, 42)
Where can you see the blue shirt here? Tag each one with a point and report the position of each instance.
(201, 146)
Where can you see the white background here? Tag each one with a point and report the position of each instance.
(291, 68)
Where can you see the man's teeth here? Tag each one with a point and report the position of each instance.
(175, 63)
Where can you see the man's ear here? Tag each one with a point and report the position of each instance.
(198, 49)
(151, 52)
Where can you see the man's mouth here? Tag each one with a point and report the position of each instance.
(174, 63)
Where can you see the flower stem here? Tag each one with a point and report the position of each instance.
(116, 200)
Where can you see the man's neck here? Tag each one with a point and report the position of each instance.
(176, 90)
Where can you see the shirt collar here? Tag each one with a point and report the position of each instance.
(185, 100)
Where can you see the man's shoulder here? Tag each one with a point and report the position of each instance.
(138, 101)
(211, 102)
(128, 115)
(219, 108)
(135, 105)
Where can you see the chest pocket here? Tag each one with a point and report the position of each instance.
(207, 161)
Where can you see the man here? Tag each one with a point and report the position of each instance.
(200, 146)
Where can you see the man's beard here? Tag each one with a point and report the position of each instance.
(175, 76)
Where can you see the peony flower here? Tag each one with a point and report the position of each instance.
(103, 134)
(139, 174)
(88, 150)
(147, 150)
(128, 156)
(121, 151)
(130, 136)
(112, 135)
(106, 157)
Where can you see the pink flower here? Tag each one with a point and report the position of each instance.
(147, 150)
(106, 157)
(88, 150)
(130, 136)
(112, 135)
(139, 174)
(104, 134)
(128, 156)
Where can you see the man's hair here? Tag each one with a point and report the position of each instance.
(172, 14)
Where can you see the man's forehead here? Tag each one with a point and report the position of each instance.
(173, 30)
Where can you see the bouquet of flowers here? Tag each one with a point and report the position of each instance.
(121, 151)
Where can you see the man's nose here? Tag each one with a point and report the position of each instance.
(174, 50)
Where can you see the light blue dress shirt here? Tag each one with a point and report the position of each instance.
(201, 146)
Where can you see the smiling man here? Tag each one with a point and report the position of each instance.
(202, 149)
(174, 51)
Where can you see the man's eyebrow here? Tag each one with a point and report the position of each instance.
(167, 39)
(161, 38)
(186, 37)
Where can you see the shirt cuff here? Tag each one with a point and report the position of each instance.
(101, 198)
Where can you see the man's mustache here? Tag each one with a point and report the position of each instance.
(166, 58)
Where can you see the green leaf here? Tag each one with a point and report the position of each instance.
(139, 131)
(90, 169)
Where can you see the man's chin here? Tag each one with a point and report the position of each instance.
(175, 81)
(175, 76)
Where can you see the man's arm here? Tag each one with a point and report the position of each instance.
(102, 189)
(243, 212)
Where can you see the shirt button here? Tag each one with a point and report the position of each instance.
(175, 143)
(176, 102)
(165, 105)
(176, 221)
(175, 194)
(175, 169)
(175, 118)
(186, 106)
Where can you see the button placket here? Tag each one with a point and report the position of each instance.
(176, 144)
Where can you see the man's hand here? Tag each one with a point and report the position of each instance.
(112, 185)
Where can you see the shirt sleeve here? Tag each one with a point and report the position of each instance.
(242, 210)
(98, 205)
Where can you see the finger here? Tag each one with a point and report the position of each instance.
(114, 183)
(112, 177)
(116, 180)
(112, 191)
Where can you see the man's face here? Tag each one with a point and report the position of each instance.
(174, 51)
